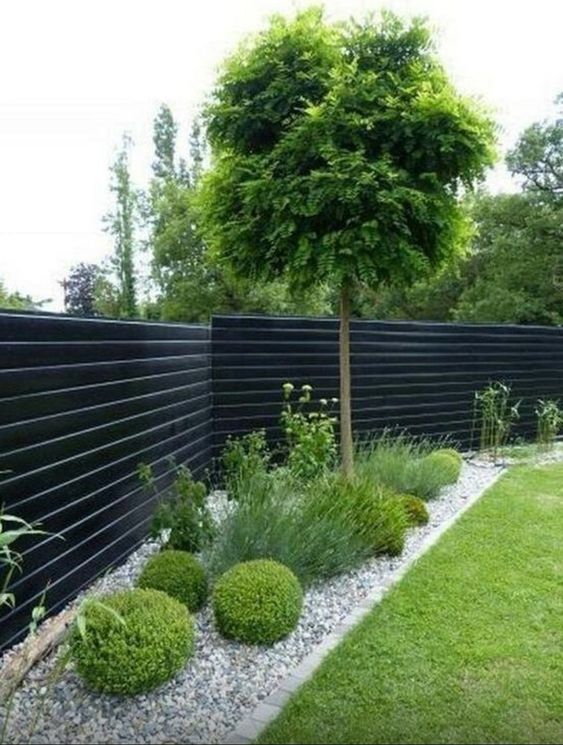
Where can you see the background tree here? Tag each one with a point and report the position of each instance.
(120, 224)
(18, 301)
(513, 270)
(80, 289)
(339, 154)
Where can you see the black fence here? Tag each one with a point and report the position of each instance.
(84, 402)
(418, 376)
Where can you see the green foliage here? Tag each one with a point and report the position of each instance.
(443, 466)
(300, 525)
(453, 453)
(17, 301)
(398, 462)
(550, 418)
(375, 514)
(494, 415)
(416, 509)
(538, 156)
(178, 574)
(183, 511)
(339, 152)
(242, 460)
(118, 289)
(141, 642)
(311, 442)
(257, 602)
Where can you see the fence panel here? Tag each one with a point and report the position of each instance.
(418, 376)
(82, 403)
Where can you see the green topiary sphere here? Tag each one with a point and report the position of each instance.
(178, 574)
(453, 453)
(257, 602)
(132, 641)
(445, 466)
(416, 509)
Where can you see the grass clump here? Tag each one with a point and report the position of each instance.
(416, 509)
(178, 574)
(400, 463)
(299, 525)
(132, 642)
(257, 602)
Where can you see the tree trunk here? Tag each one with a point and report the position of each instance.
(346, 442)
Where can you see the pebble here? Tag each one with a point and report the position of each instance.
(224, 680)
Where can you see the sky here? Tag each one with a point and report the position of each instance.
(78, 74)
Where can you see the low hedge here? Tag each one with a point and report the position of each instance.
(178, 574)
(132, 641)
(257, 602)
(416, 509)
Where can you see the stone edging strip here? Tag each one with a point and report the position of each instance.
(249, 728)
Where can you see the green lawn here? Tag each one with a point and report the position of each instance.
(468, 648)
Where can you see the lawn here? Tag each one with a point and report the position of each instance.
(468, 648)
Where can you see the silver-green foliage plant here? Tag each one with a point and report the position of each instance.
(495, 414)
(309, 433)
(302, 526)
(400, 462)
(549, 420)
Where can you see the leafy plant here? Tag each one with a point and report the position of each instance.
(257, 602)
(440, 466)
(244, 458)
(179, 575)
(132, 642)
(182, 512)
(495, 415)
(310, 434)
(550, 419)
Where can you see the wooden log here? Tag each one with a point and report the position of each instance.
(34, 648)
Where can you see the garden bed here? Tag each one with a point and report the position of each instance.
(224, 680)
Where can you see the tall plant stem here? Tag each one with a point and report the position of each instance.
(346, 442)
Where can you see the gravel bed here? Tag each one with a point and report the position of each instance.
(224, 680)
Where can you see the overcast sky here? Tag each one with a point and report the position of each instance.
(77, 74)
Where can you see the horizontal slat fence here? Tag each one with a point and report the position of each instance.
(418, 376)
(82, 403)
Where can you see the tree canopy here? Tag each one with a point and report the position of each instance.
(340, 152)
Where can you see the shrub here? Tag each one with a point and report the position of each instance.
(244, 459)
(179, 575)
(257, 602)
(442, 468)
(494, 415)
(133, 642)
(183, 512)
(300, 527)
(311, 441)
(453, 453)
(376, 515)
(416, 509)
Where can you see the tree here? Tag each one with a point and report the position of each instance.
(339, 153)
(17, 301)
(165, 131)
(120, 224)
(538, 157)
(80, 289)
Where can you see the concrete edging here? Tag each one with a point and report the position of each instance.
(249, 728)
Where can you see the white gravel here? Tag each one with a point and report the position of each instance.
(224, 680)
